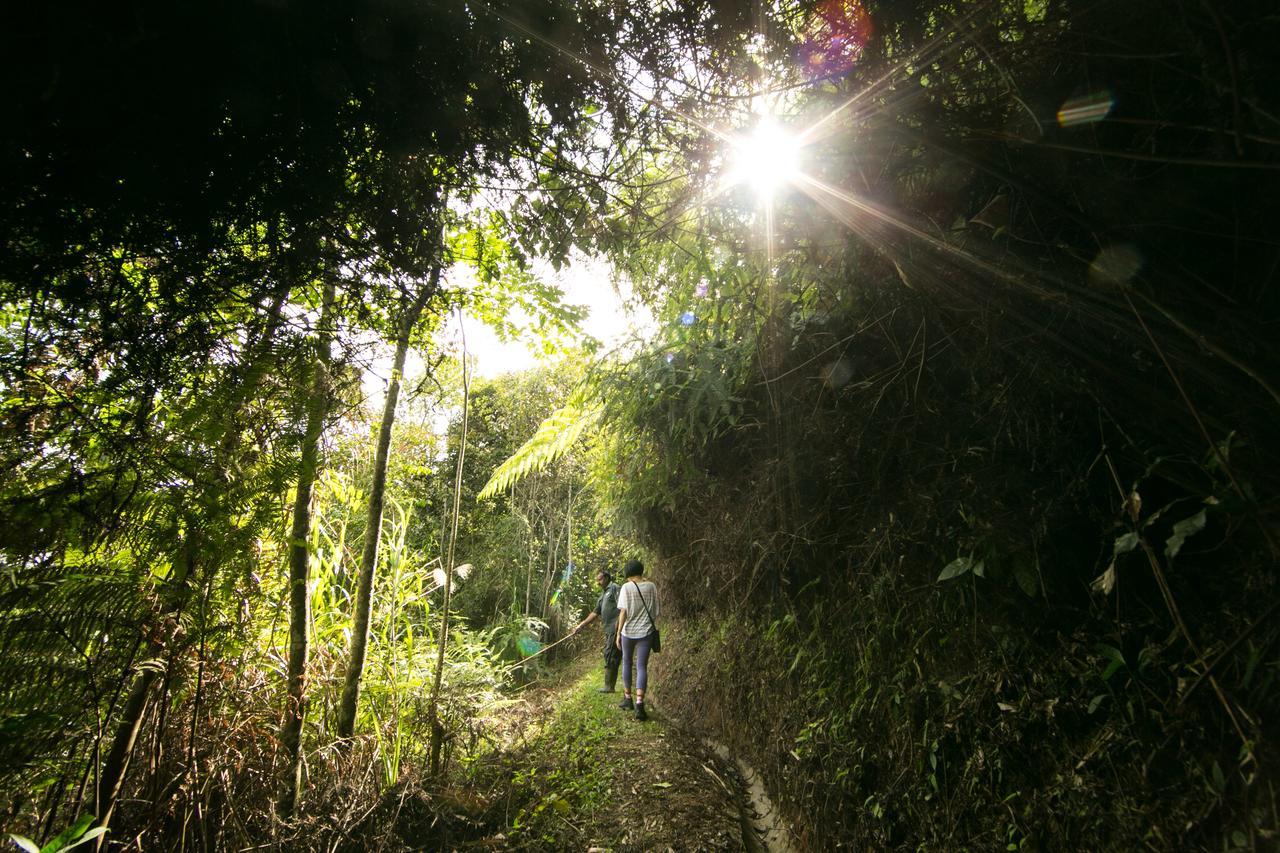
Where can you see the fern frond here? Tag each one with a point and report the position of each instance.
(553, 439)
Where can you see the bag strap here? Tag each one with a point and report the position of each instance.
(645, 605)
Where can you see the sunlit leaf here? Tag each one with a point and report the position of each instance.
(553, 438)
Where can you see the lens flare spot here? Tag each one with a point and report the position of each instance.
(838, 373)
(1086, 109)
(1115, 266)
(835, 37)
(528, 645)
(688, 318)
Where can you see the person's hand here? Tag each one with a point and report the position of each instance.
(617, 641)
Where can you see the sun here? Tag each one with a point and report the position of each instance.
(767, 158)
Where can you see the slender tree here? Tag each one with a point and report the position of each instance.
(195, 543)
(299, 562)
(134, 712)
(415, 303)
(437, 728)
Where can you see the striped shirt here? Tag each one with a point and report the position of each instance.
(638, 624)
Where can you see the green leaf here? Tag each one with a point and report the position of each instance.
(88, 836)
(957, 567)
(1124, 544)
(553, 439)
(1219, 778)
(1182, 531)
(1114, 657)
(64, 839)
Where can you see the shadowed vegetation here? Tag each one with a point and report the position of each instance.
(952, 444)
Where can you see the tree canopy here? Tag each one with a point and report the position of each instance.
(952, 447)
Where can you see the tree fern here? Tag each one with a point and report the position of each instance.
(553, 439)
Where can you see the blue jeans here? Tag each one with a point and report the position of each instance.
(640, 650)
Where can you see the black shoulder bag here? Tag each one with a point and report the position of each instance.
(655, 639)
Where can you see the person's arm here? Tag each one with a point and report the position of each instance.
(591, 617)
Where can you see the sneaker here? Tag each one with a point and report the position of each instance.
(640, 714)
(626, 703)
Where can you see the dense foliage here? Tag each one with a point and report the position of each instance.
(955, 447)
(963, 473)
(212, 211)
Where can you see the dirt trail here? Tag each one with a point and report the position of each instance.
(586, 775)
(678, 792)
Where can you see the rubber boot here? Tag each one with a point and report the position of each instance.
(610, 679)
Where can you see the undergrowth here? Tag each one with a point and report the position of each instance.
(567, 770)
(556, 799)
(971, 603)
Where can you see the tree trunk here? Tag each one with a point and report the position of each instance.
(133, 714)
(437, 728)
(549, 576)
(299, 567)
(126, 737)
(373, 525)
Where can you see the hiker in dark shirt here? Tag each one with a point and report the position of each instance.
(607, 612)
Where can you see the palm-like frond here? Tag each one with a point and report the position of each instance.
(554, 438)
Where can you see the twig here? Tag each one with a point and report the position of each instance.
(1231, 647)
(1212, 347)
(1231, 72)
(1186, 635)
(1258, 165)
(924, 347)
(1218, 455)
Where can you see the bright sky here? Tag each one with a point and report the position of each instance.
(585, 281)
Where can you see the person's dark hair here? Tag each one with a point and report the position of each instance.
(633, 568)
(605, 573)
